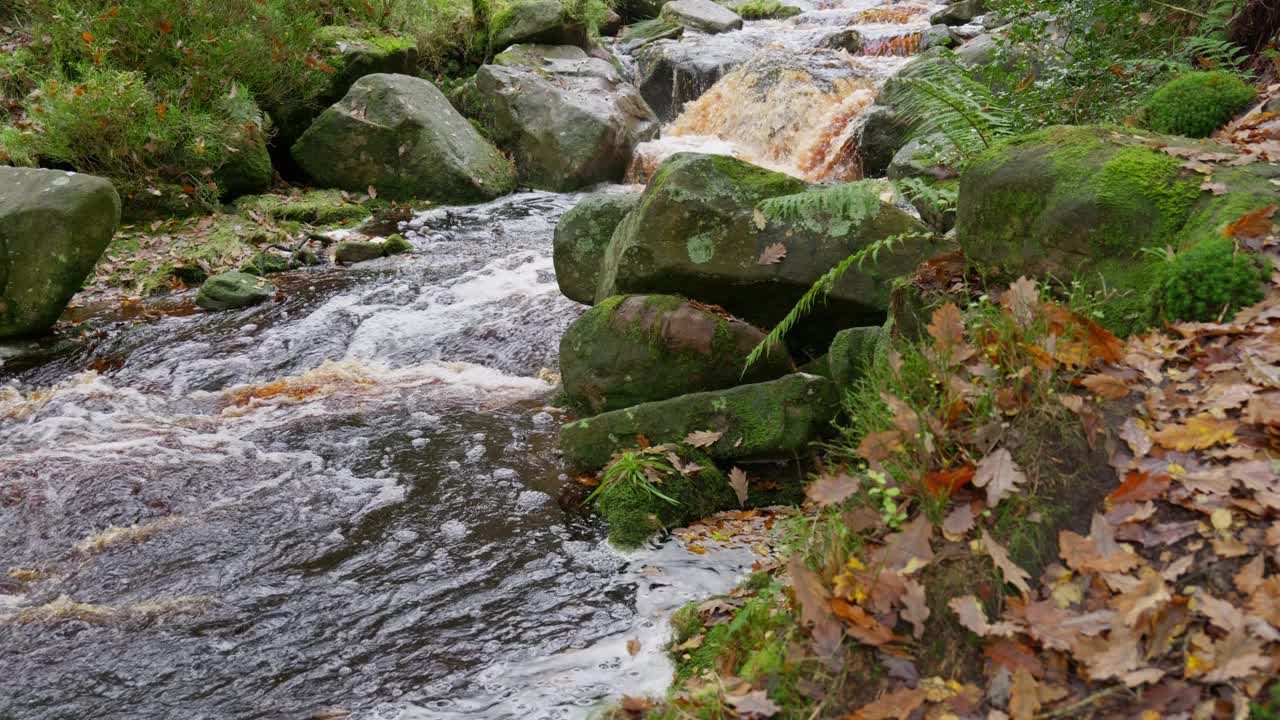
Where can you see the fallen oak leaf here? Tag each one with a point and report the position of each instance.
(773, 254)
(916, 607)
(738, 481)
(1197, 433)
(1106, 386)
(1022, 301)
(703, 438)
(815, 609)
(1013, 574)
(999, 474)
(860, 625)
(755, 704)
(958, 522)
(896, 705)
(830, 489)
(1255, 224)
(1138, 486)
(972, 617)
(944, 483)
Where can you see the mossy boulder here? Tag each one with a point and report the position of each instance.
(569, 122)
(545, 22)
(852, 352)
(1084, 202)
(702, 15)
(765, 10)
(314, 207)
(232, 290)
(1197, 103)
(774, 419)
(247, 168)
(54, 225)
(396, 245)
(581, 237)
(265, 263)
(400, 135)
(640, 348)
(705, 221)
(634, 514)
(348, 53)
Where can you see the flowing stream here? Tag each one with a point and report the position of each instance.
(347, 501)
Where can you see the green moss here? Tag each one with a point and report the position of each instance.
(1197, 103)
(1209, 280)
(634, 513)
(263, 263)
(1135, 177)
(395, 245)
(314, 207)
(765, 9)
(749, 181)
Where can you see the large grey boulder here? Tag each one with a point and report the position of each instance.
(702, 15)
(545, 22)
(674, 73)
(581, 237)
(774, 419)
(882, 134)
(400, 135)
(703, 230)
(54, 225)
(569, 120)
(639, 348)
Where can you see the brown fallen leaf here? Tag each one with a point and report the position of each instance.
(636, 706)
(1106, 386)
(738, 481)
(755, 704)
(773, 254)
(895, 705)
(1024, 700)
(1013, 574)
(1251, 225)
(633, 647)
(916, 608)
(972, 617)
(702, 438)
(830, 489)
(1138, 487)
(958, 522)
(859, 624)
(999, 474)
(1022, 301)
(815, 609)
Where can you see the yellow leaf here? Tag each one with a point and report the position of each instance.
(1197, 433)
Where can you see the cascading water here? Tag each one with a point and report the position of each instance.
(793, 106)
(345, 501)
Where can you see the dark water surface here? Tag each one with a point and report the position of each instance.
(352, 499)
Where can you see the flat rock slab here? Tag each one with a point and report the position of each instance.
(769, 419)
(701, 15)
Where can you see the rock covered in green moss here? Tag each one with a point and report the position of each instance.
(545, 22)
(569, 122)
(1197, 103)
(348, 53)
(350, 252)
(702, 15)
(770, 419)
(1084, 202)
(315, 207)
(231, 290)
(264, 262)
(247, 168)
(765, 10)
(634, 514)
(705, 221)
(400, 135)
(852, 352)
(54, 225)
(636, 349)
(581, 237)
(396, 245)
(1209, 281)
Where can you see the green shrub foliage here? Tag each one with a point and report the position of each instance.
(1211, 277)
(1196, 104)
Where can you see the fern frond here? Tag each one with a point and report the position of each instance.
(939, 99)
(817, 209)
(821, 288)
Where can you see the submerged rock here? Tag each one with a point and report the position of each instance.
(581, 237)
(1083, 202)
(400, 135)
(231, 290)
(545, 22)
(769, 419)
(703, 15)
(568, 119)
(633, 349)
(54, 225)
(702, 229)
